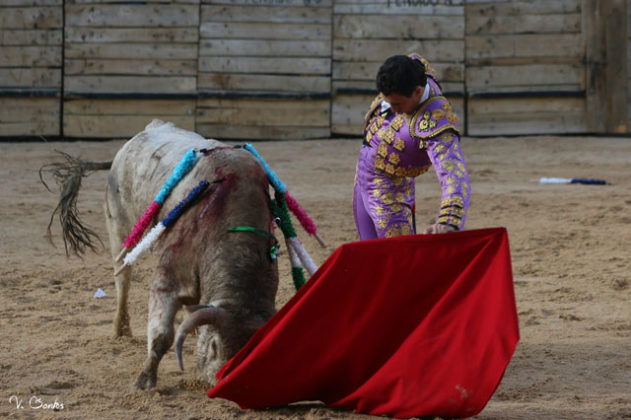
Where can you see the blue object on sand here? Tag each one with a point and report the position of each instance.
(587, 181)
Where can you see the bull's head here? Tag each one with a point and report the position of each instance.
(222, 334)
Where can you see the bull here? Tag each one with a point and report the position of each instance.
(227, 279)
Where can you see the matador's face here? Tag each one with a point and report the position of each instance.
(402, 104)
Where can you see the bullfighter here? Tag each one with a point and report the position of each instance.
(409, 127)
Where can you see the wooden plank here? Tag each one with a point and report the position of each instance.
(272, 3)
(288, 14)
(16, 37)
(355, 85)
(130, 84)
(131, 67)
(403, 7)
(132, 1)
(524, 7)
(298, 65)
(262, 83)
(347, 113)
(346, 130)
(116, 126)
(501, 25)
(132, 15)
(521, 61)
(483, 106)
(162, 107)
(30, 128)
(31, 17)
(30, 78)
(398, 27)
(519, 77)
(570, 90)
(234, 132)
(123, 118)
(17, 109)
(306, 31)
(519, 124)
(132, 51)
(521, 116)
(278, 112)
(616, 72)
(25, 3)
(363, 50)
(400, 3)
(368, 70)
(274, 48)
(526, 45)
(595, 57)
(29, 116)
(137, 35)
(40, 56)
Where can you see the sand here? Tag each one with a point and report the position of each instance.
(570, 247)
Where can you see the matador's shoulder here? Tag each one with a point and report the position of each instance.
(373, 105)
(434, 117)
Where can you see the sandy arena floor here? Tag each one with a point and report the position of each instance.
(570, 248)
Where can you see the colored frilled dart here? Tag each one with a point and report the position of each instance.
(153, 235)
(183, 167)
(298, 255)
(305, 221)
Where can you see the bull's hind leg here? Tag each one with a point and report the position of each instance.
(121, 321)
(117, 236)
(163, 305)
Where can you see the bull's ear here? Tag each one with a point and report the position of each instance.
(201, 315)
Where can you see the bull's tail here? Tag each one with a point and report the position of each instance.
(77, 236)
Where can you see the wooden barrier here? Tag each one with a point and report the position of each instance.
(305, 68)
(122, 118)
(127, 63)
(605, 32)
(31, 33)
(524, 67)
(261, 64)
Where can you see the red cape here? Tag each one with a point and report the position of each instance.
(408, 326)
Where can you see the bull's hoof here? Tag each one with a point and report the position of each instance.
(144, 382)
(121, 330)
(120, 334)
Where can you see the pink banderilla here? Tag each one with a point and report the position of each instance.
(307, 224)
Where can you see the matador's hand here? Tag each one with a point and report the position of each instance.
(438, 228)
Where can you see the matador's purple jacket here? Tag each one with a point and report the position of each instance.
(396, 149)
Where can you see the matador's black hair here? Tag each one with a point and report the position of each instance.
(400, 74)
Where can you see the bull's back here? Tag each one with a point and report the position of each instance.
(143, 165)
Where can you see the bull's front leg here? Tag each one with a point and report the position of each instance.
(163, 305)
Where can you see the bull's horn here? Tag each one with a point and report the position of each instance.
(204, 315)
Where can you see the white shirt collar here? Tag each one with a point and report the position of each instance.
(425, 93)
(385, 104)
